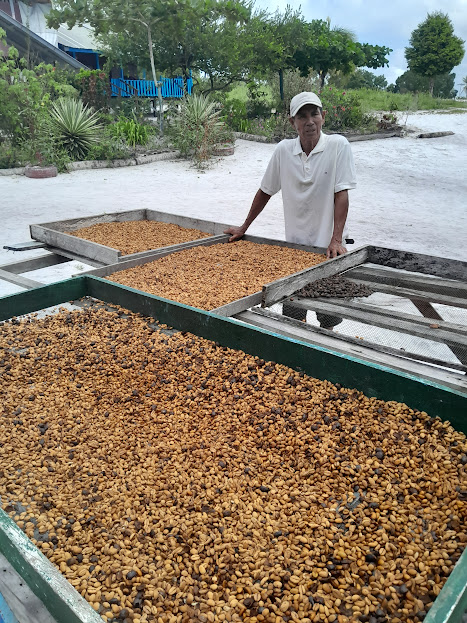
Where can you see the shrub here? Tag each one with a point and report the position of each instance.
(293, 83)
(197, 128)
(234, 115)
(132, 107)
(343, 111)
(94, 87)
(76, 125)
(258, 104)
(108, 147)
(25, 95)
(131, 131)
(10, 156)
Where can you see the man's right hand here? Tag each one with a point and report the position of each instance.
(235, 233)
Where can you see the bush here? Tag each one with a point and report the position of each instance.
(76, 126)
(94, 87)
(132, 107)
(108, 148)
(25, 95)
(234, 115)
(343, 111)
(294, 83)
(11, 156)
(197, 128)
(131, 131)
(258, 104)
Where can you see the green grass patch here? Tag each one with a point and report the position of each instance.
(383, 100)
(240, 92)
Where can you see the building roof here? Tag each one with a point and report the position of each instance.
(27, 42)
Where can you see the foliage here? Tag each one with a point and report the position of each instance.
(197, 128)
(129, 20)
(11, 155)
(343, 110)
(76, 125)
(234, 114)
(93, 87)
(258, 105)
(25, 95)
(361, 79)
(463, 92)
(212, 37)
(131, 131)
(384, 100)
(335, 48)
(225, 40)
(293, 83)
(434, 49)
(108, 147)
(410, 82)
(134, 106)
(48, 148)
(275, 127)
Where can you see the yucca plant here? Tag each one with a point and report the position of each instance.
(197, 128)
(77, 126)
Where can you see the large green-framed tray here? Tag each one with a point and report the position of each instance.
(62, 600)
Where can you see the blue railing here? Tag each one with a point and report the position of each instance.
(171, 87)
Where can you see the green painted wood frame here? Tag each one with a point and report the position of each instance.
(373, 380)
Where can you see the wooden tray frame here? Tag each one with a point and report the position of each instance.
(53, 233)
(60, 597)
(230, 309)
(430, 280)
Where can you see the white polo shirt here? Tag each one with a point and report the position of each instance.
(308, 184)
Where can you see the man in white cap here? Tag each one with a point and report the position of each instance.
(314, 172)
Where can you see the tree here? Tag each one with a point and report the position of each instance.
(125, 17)
(363, 79)
(326, 49)
(290, 33)
(206, 40)
(434, 49)
(410, 82)
(464, 86)
(336, 49)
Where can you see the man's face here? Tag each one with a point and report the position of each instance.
(308, 122)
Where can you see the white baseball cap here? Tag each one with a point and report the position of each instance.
(307, 97)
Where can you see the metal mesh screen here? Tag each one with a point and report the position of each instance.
(409, 326)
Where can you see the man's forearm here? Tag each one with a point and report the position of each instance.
(341, 209)
(259, 202)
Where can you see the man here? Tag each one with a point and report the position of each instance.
(314, 172)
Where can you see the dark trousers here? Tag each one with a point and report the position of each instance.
(325, 320)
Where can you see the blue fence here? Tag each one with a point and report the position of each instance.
(171, 87)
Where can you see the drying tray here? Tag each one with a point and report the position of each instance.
(54, 236)
(59, 596)
(420, 281)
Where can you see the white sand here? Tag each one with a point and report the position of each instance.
(411, 194)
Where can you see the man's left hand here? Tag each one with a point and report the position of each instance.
(334, 249)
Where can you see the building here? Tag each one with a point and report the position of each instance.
(26, 29)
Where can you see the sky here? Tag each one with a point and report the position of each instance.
(382, 22)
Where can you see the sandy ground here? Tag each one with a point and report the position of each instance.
(411, 194)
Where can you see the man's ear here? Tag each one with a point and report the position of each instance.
(292, 122)
(323, 115)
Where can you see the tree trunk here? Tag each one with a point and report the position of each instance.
(322, 78)
(281, 84)
(158, 85)
(432, 84)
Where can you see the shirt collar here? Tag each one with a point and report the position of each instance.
(318, 147)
